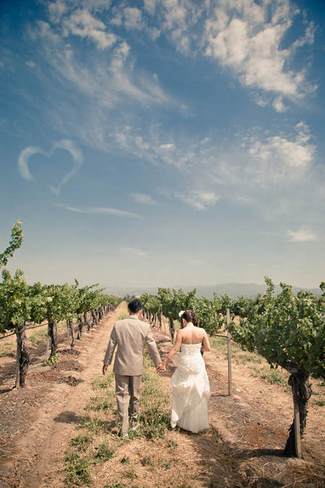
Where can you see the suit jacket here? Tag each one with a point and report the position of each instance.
(130, 336)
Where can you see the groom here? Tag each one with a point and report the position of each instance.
(129, 336)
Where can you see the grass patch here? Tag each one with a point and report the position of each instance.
(319, 403)
(101, 383)
(272, 376)
(100, 405)
(8, 351)
(77, 470)
(130, 474)
(248, 357)
(37, 337)
(52, 361)
(146, 461)
(103, 453)
(154, 415)
(166, 464)
(115, 485)
(81, 442)
(171, 444)
(218, 343)
(95, 425)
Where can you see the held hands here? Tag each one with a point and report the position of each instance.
(161, 368)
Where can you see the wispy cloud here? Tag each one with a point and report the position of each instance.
(200, 200)
(83, 24)
(29, 152)
(133, 251)
(129, 17)
(303, 234)
(282, 156)
(31, 64)
(252, 157)
(245, 37)
(143, 199)
(100, 211)
(107, 82)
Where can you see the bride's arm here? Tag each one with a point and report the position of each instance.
(206, 343)
(175, 349)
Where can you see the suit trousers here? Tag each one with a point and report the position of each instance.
(127, 389)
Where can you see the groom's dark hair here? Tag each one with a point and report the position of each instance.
(135, 305)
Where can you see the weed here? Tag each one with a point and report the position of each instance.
(154, 422)
(146, 461)
(37, 337)
(171, 444)
(77, 470)
(130, 474)
(125, 460)
(94, 425)
(218, 343)
(249, 358)
(319, 403)
(273, 377)
(115, 485)
(103, 453)
(103, 383)
(7, 352)
(99, 404)
(52, 360)
(81, 441)
(154, 417)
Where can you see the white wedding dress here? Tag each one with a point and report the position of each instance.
(190, 390)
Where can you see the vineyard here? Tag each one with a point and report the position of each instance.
(58, 420)
(288, 330)
(23, 305)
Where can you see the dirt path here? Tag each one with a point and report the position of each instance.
(47, 434)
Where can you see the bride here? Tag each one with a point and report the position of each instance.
(190, 389)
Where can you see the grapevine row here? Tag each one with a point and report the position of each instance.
(286, 328)
(22, 303)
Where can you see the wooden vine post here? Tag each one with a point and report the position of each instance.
(229, 354)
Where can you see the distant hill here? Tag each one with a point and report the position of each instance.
(232, 289)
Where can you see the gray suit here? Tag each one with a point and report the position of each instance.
(128, 337)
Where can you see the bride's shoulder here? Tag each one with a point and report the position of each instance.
(203, 331)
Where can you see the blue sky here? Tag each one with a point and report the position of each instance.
(164, 142)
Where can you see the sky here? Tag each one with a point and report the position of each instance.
(164, 142)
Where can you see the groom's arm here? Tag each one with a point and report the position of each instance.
(110, 349)
(175, 349)
(153, 349)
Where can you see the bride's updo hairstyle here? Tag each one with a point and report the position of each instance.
(189, 316)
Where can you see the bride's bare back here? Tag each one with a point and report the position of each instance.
(191, 334)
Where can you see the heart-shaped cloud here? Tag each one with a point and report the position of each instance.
(65, 144)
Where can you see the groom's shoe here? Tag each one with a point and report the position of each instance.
(123, 434)
(135, 427)
(122, 429)
(134, 421)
